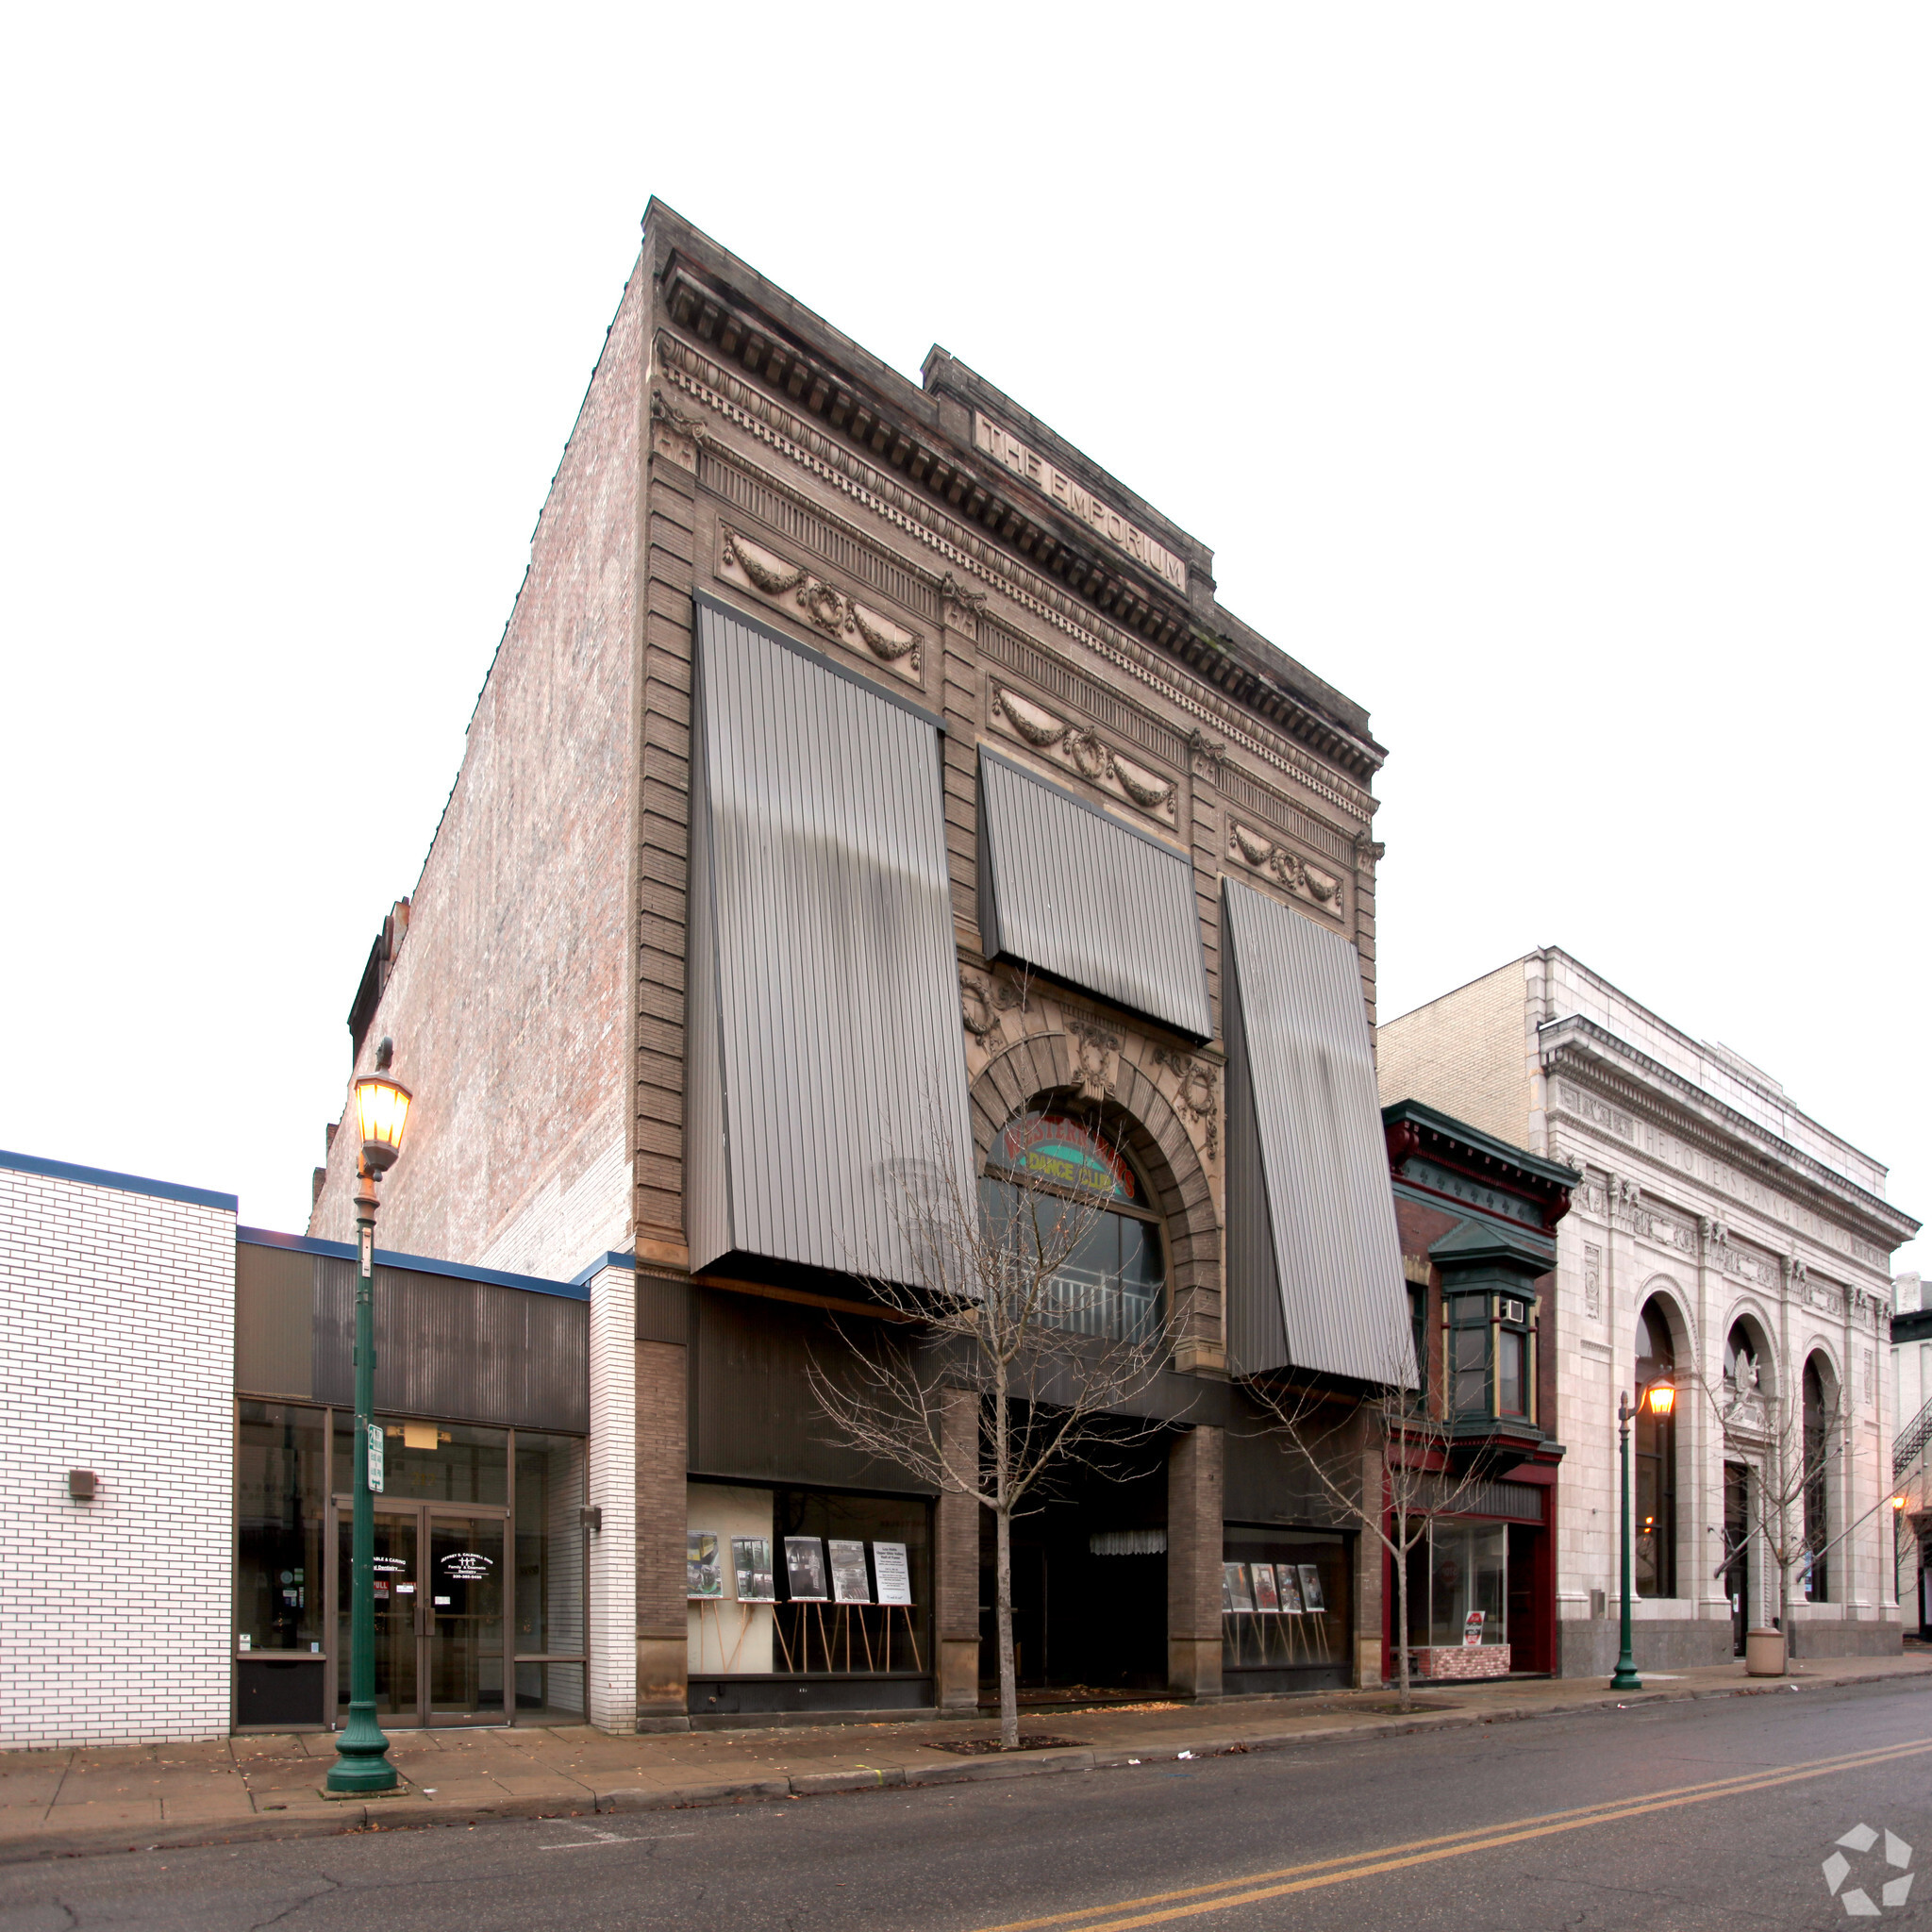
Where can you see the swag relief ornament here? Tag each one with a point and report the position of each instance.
(1083, 752)
(1289, 870)
(1196, 1099)
(983, 1001)
(827, 608)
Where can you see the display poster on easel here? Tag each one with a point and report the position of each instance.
(892, 1575)
(849, 1583)
(704, 1578)
(1236, 1593)
(1287, 1581)
(1266, 1598)
(805, 1569)
(1312, 1588)
(751, 1566)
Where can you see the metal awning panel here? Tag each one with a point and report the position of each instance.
(1314, 1262)
(825, 1064)
(1071, 891)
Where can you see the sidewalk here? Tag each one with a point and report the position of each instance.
(235, 1789)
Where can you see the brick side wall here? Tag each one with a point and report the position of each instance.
(1464, 1054)
(508, 999)
(115, 1614)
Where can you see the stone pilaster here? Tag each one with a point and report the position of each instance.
(1193, 1563)
(956, 1564)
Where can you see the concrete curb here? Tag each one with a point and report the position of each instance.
(391, 1815)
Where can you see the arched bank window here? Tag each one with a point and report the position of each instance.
(1654, 1547)
(1819, 1414)
(1056, 1185)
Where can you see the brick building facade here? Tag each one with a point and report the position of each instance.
(754, 520)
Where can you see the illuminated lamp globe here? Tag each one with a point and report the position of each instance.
(382, 1109)
(1661, 1397)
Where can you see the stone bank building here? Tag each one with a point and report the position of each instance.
(1715, 1234)
(868, 785)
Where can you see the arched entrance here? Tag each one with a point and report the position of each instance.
(1090, 1577)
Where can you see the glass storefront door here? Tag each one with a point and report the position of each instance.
(439, 1616)
(464, 1663)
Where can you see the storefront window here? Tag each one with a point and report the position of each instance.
(280, 1496)
(550, 1546)
(430, 1462)
(1458, 1591)
(804, 1583)
(1284, 1600)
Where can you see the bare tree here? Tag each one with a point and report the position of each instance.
(1789, 1455)
(997, 1306)
(1414, 1432)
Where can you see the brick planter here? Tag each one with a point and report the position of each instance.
(1462, 1660)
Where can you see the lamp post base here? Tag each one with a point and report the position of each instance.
(1627, 1678)
(361, 1768)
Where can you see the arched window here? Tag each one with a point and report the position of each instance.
(1061, 1187)
(1819, 1414)
(1654, 1548)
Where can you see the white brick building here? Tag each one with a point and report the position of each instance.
(1719, 1234)
(175, 1506)
(118, 1374)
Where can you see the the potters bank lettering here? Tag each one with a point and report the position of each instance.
(1083, 502)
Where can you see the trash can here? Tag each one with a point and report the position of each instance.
(1764, 1653)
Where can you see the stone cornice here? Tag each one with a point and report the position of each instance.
(981, 492)
(1581, 1047)
(694, 374)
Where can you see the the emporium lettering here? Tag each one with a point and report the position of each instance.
(1082, 503)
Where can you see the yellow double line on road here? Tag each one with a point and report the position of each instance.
(1159, 1907)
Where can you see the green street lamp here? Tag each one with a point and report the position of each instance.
(363, 1766)
(1659, 1397)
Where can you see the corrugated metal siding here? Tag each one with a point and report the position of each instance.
(841, 1075)
(274, 1317)
(752, 1412)
(1255, 1339)
(1318, 1129)
(467, 1350)
(1069, 889)
(664, 1309)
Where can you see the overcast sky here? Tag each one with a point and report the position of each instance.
(1554, 380)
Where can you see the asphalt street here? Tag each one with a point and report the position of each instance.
(1720, 1813)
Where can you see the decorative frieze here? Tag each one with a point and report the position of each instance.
(1082, 750)
(1593, 1281)
(758, 416)
(1287, 869)
(827, 607)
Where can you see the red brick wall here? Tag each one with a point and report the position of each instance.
(507, 1001)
